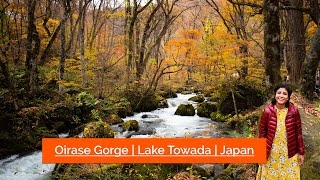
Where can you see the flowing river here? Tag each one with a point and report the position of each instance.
(161, 122)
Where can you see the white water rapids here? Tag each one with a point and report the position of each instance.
(162, 121)
(166, 124)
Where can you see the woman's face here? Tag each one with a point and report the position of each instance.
(282, 96)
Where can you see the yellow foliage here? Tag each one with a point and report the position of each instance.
(191, 34)
(24, 36)
(90, 74)
(69, 84)
(75, 16)
(53, 74)
(53, 21)
(73, 68)
(311, 30)
(115, 15)
(90, 55)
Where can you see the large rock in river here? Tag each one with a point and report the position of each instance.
(113, 119)
(205, 109)
(131, 125)
(185, 110)
(98, 129)
(198, 98)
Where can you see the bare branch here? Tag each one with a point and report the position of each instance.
(301, 9)
(246, 4)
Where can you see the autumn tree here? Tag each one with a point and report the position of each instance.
(66, 4)
(236, 22)
(10, 44)
(142, 42)
(296, 47)
(186, 52)
(310, 66)
(33, 48)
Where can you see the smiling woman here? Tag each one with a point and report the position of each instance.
(281, 125)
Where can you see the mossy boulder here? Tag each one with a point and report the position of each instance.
(185, 110)
(219, 117)
(131, 125)
(113, 119)
(123, 108)
(198, 98)
(70, 113)
(163, 103)
(98, 129)
(168, 93)
(248, 121)
(144, 102)
(151, 102)
(205, 109)
(121, 112)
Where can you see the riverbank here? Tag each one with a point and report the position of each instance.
(310, 116)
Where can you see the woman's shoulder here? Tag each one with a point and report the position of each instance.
(292, 107)
(269, 108)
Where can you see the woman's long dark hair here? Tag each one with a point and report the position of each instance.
(282, 85)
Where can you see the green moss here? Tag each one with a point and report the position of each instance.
(113, 119)
(205, 109)
(198, 98)
(98, 129)
(106, 168)
(86, 99)
(217, 116)
(131, 125)
(185, 110)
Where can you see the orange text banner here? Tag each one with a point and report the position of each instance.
(153, 150)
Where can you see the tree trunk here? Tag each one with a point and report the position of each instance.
(309, 67)
(296, 43)
(81, 44)
(63, 45)
(245, 54)
(272, 41)
(33, 48)
(126, 42)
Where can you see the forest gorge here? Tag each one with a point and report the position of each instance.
(82, 65)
